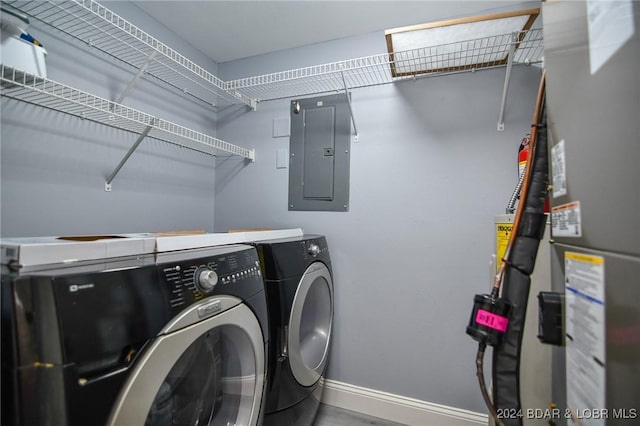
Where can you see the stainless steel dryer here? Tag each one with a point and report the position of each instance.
(298, 279)
(135, 342)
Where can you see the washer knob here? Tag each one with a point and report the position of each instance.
(206, 280)
(314, 250)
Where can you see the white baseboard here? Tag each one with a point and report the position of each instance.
(397, 408)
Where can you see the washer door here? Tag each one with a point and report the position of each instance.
(208, 373)
(310, 324)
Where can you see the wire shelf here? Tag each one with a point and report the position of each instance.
(386, 68)
(47, 93)
(99, 27)
(92, 23)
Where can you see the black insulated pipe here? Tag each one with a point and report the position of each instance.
(517, 282)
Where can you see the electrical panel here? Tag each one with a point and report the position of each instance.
(319, 154)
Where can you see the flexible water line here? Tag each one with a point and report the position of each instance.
(516, 192)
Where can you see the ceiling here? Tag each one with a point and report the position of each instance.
(230, 30)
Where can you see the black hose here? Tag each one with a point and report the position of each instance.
(483, 386)
(517, 278)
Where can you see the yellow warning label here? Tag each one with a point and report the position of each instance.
(596, 260)
(503, 233)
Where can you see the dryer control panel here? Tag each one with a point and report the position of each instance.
(193, 275)
(291, 257)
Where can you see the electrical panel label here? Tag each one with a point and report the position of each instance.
(558, 167)
(566, 220)
(585, 336)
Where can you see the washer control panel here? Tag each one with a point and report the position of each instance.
(312, 248)
(190, 280)
(205, 280)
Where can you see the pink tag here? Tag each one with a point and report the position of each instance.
(490, 320)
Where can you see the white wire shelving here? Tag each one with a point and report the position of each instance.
(47, 93)
(99, 27)
(96, 25)
(524, 47)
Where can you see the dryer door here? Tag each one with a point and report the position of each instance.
(310, 324)
(208, 373)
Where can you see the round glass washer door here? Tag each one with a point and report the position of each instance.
(207, 374)
(310, 324)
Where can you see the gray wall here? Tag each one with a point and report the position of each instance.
(427, 176)
(54, 165)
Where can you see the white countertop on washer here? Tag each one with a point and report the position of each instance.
(34, 251)
(185, 242)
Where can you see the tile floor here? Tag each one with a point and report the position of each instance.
(332, 416)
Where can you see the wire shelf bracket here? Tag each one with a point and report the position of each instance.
(145, 132)
(353, 120)
(507, 78)
(135, 79)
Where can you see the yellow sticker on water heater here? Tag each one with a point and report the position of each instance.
(503, 233)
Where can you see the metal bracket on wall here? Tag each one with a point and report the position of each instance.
(353, 120)
(507, 77)
(107, 185)
(141, 71)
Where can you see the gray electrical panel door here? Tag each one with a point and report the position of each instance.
(319, 146)
(319, 149)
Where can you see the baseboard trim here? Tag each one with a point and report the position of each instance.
(397, 408)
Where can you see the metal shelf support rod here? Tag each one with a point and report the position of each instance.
(346, 92)
(141, 71)
(507, 78)
(107, 186)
